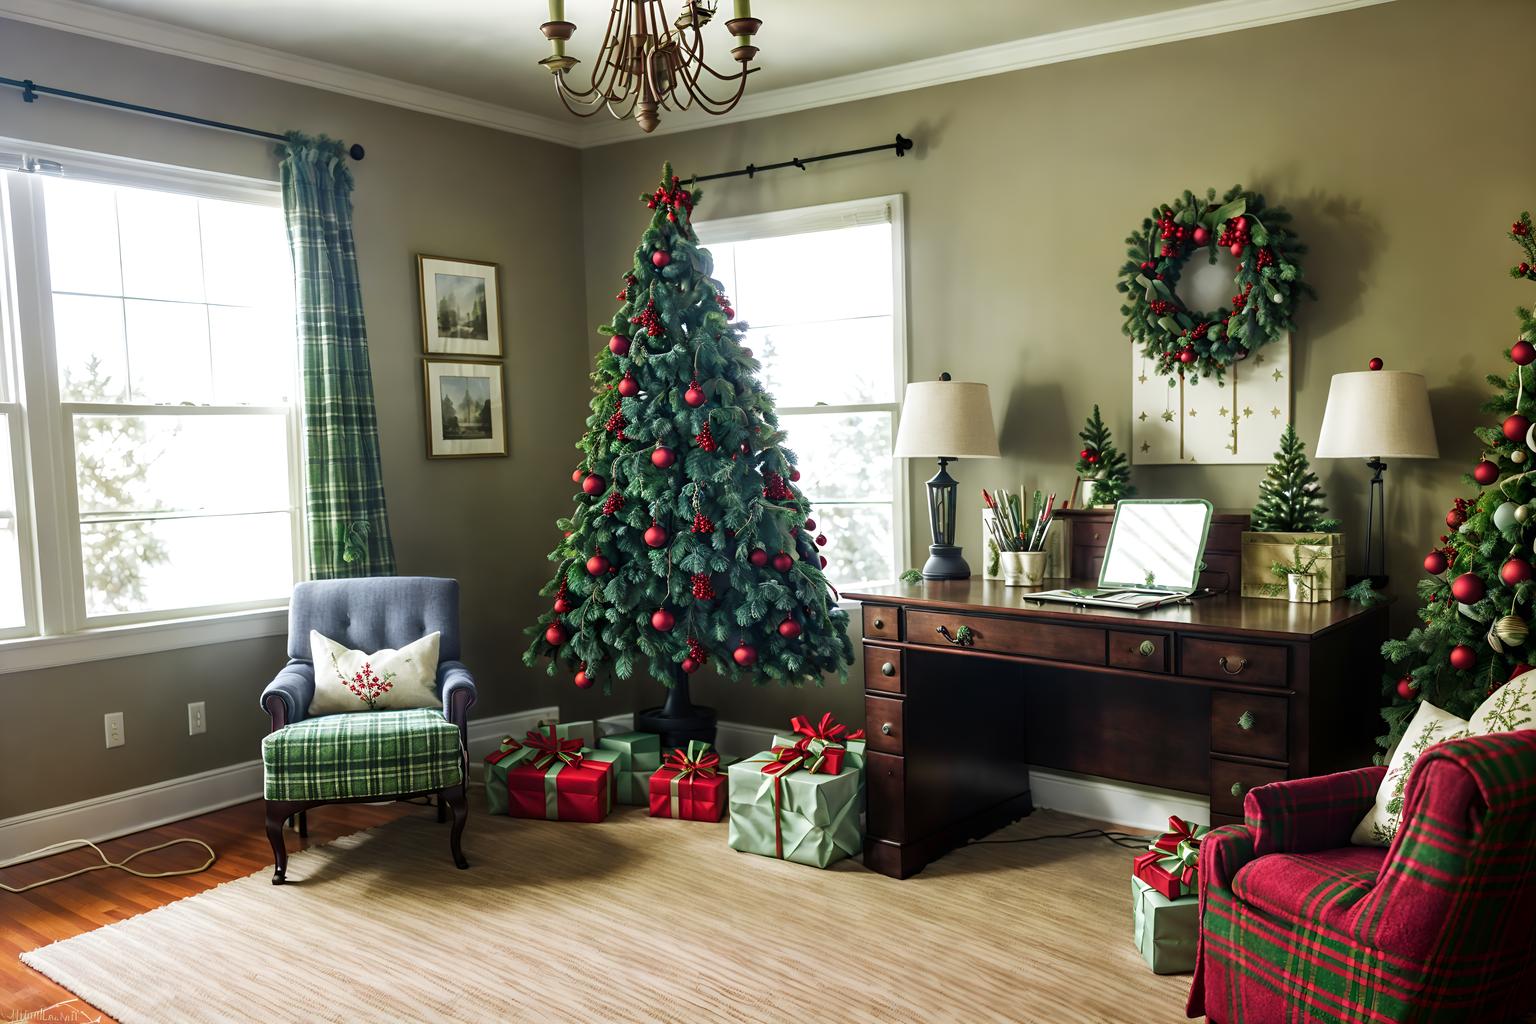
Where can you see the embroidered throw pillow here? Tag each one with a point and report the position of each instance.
(347, 680)
(1512, 706)
(1430, 725)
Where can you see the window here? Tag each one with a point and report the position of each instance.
(149, 436)
(822, 291)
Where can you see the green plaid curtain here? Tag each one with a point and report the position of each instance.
(348, 523)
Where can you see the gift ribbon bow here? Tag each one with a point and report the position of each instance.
(814, 756)
(1180, 849)
(550, 748)
(694, 760)
(828, 729)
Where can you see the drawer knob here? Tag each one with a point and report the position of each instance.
(962, 637)
(1226, 665)
(1146, 648)
(879, 623)
(888, 669)
(1245, 721)
(885, 727)
(1237, 789)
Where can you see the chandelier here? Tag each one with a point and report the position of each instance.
(646, 65)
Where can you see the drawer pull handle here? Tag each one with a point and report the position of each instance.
(1237, 789)
(885, 728)
(1245, 721)
(962, 637)
(879, 623)
(888, 669)
(1242, 663)
(1146, 649)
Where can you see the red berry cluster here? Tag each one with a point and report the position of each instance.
(701, 523)
(629, 282)
(1461, 511)
(777, 489)
(1197, 332)
(1241, 300)
(1175, 236)
(671, 199)
(1520, 228)
(725, 305)
(1266, 259)
(1161, 307)
(616, 424)
(1234, 235)
(1522, 269)
(1089, 456)
(613, 503)
(649, 319)
(705, 440)
(696, 651)
(703, 590)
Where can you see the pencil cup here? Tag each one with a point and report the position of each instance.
(1023, 568)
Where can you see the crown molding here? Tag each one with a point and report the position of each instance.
(1208, 19)
(146, 34)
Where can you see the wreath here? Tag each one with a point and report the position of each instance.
(1191, 343)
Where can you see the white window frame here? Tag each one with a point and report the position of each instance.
(58, 630)
(828, 217)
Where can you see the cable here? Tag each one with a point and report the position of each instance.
(76, 844)
(1121, 839)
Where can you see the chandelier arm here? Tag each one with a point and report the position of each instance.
(596, 106)
(698, 94)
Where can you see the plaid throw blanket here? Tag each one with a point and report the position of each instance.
(367, 754)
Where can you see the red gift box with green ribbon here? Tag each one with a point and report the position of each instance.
(689, 785)
(559, 782)
(1171, 864)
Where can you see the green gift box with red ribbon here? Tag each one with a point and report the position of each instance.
(509, 754)
(560, 780)
(797, 802)
(638, 756)
(690, 785)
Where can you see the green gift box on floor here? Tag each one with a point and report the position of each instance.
(793, 814)
(586, 732)
(1167, 931)
(639, 756)
(509, 755)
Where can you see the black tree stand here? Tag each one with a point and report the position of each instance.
(679, 719)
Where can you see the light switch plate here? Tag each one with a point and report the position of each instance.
(114, 726)
(197, 719)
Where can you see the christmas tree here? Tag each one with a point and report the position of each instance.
(1473, 633)
(1290, 498)
(690, 542)
(1104, 464)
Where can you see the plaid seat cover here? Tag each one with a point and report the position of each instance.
(1442, 935)
(1323, 886)
(366, 754)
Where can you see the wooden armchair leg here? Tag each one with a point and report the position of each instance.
(303, 824)
(442, 809)
(277, 813)
(455, 798)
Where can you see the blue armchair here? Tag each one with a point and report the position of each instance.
(366, 614)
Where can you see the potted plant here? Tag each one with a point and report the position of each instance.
(1303, 579)
(1290, 525)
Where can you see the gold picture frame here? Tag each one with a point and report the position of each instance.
(460, 307)
(466, 409)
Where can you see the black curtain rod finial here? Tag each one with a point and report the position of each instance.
(903, 144)
(356, 152)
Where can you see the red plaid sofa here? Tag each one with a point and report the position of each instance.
(1299, 926)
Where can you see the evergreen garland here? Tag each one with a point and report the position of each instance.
(1103, 463)
(1290, 498)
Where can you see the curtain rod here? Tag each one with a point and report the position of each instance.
(30, 90)
(901, 145)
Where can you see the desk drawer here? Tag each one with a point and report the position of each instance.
(1243, 723)
(1230, 783)
(1144, 652)
(882, 669)
(882, 724)
(1232, 661)
(1081, 644)
(885, 776)
(881, 622)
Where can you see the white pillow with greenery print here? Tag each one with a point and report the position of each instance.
(1512, 706)
(1430, 725)
(348, 680)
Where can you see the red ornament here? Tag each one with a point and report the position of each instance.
(577, 474)
(810, 524)
(794, 475)
(618, 345)
(555, 635)
(1406, 689)
(694, 396)
(1375, 363)
(1201, 237)
(1516, 427)
(1468, 588)
(593, 484)
(745, 655)
(758, 557)
(662, 620)
(583, 680)
(821, 540)
(690, 665)
(655, 536)
(1463, 658)
(1455, 517)
(597, 565)
(1485, 472)
(1436, 563)
(660, 258)
(562, 606)
(628, 388)
(1186, 355)
(1516, 570)
(789, 629)
(663, 457)
(1236, 248)
(1523, 353)
(1519, 670)
(823, 561)
(782, 562)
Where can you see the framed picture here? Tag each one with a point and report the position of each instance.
(460, 307)
(466, 409)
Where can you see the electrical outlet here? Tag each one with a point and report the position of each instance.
(197, 719)
(114, 725)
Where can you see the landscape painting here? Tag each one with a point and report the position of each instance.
(466, 408)
(465, 405)
(460, 307)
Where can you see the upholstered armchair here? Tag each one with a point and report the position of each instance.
(367, 756)
(1297, 925)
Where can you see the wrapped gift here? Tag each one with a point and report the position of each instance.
(586, 731)
(1167, 931)
(1172, 862)
(507, 756)
(560, 781)
(796, 804)
(689, 785)
(638, 758)
(828, 732)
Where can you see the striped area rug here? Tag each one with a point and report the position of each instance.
(636, 919)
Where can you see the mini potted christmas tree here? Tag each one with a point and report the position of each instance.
(690, 543)
(1293, 550)
(1104, 475)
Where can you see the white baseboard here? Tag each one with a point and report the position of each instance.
(1122, 803)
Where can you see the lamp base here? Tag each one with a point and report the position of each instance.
(944, 563)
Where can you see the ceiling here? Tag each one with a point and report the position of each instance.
(486, 52)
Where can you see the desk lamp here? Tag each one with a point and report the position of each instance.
(945, 419)
(1373, 415)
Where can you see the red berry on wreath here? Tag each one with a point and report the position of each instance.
(1201, 236)
(694, 396)
(789, 629)
(758, 557)
(555, 635)
(655, 536)
(1468, 588)
(618, 345)
(628, 388)
(662, 620)
(593, 484)
(1516, 427)
(1436, 563)
(1236, 248)
(1485, 472)
(1523, 353)
(1406, 689)
(1375, 363)
(583, 680)
(1515, 571)
(1463, 658)
(782, 562)
(1187, 355)
(745, 655)
(660, 258)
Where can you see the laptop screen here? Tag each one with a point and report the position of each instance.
(1156, 545)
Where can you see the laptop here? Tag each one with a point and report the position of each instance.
(1153, 557)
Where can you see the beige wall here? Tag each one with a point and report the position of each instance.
(1392, 133)
(426, 185)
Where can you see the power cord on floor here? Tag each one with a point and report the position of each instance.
(1122, 839)
(121, 865)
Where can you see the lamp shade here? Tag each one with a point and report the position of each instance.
(946, 419)
(1378, 413)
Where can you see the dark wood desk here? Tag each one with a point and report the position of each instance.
(1213, 697)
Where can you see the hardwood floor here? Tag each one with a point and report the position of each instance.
(61, 911)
